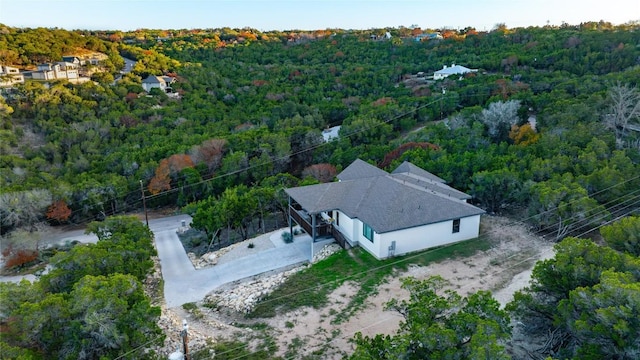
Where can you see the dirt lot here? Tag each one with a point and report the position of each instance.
(503, 269)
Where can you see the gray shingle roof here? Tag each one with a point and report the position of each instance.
(151, 79)
(383, 202)
(359, 170)
(455, 69)
(428, 185)
(407, 167)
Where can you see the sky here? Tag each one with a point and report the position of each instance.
(267, 15)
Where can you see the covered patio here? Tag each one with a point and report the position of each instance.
(318, 225)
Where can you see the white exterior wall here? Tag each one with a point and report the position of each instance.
(44, 75)
(352, 230)
(72, 74)
(427, 236)
(148, 86)
(373, 247)
(10, 76)
(347, 227)
(408, 240)
(437, 76)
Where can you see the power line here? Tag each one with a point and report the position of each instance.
(139, 347)
(464, 286)
(247, 168)
(481, 237)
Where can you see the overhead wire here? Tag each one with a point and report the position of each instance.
(313, 147)
(352, 333)
(533, 257)
(248, 168)
(483, 236)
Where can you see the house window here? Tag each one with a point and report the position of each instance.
(456, 225)
(367, 231)
(337, 218)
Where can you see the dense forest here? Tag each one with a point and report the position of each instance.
(546, 130)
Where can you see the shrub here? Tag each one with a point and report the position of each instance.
(289, 325)
(21, 258)
(189, 306)
(251, 245)
(287, 237)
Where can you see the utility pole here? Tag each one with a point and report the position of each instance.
(144, 204)
(185, 340)
(444, 91)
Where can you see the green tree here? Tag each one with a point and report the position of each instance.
(496, 189)
(112, 316)
(237, 205)
(124, 246)
(603, 319)
(564, 296)
(561, 206)
(440, 326)
(623, 235)
(207, 217)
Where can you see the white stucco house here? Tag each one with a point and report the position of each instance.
(331, 133)
(10, 76)
(452, 70)
(159, 82)
(387, 214)
(59, 71)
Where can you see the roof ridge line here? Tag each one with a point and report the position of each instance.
(424, 189)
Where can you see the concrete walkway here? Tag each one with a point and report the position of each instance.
(184, 284)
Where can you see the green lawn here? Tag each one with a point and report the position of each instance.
(312, 286)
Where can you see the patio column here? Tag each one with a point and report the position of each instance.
(313, 235)
(289, 218)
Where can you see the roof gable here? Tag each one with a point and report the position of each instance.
(360, 169)
(407, 167)
(151, 79)
(387, 202)
(454, 69)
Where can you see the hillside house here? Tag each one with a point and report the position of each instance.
(159, 82)
(10, 76)
(72, 59)
(58, 71)
(387, 214)
(453, 70)
(84, 60)
(427, 36)
(331, 133)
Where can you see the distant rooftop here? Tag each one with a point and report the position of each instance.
(331, 133)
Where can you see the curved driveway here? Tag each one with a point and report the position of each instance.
(183, 283)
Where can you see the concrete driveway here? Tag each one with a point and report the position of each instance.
(184, 284)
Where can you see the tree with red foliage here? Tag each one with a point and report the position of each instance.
(167, 168)
(321, 172)
(209, 152)
(396, 153)
(58, 211)
(383, 101)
